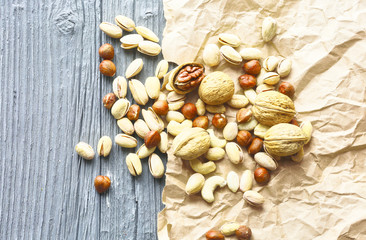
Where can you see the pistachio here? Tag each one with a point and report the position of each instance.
(251, 95)
(234, 152)
(141, 128)
(174, 116)
(174, 128)
(284, 67)
(131, 41)
(111, 30)
(307, 128)
(271, 78)
(104, 146)
(149, 48)
(248, 126)
(230, 55)
(298, 156)
(265, 160)
(211, 55)
(161, 69)
(230, 228)
(174, 106)
(215, 141)
(133, 163)
(126, 126)
(84, 150)
(269, 27)
(215, 154)
(152, 86)
(191, 143)
(229, 39)
(253, 198)
(125, 23)
(120, 108)
(260, 76)
(230, 131)
(175, 97)
(195, 183)
(263, 88)
(216, 108)
(134, 68)
(163, 144)
(152, 120)
(125, 140)
(156, 166)
(201, 107)
(270, 63)
(246, 181)
(251, 53)
(120, 87)
(138, 92)
(144, 152)
(260, 130)
(238, 101)
(203, 168)
(232, 180)
(147, 33)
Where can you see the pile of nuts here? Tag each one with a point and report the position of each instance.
(264, 124)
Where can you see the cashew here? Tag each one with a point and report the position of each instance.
(174, 127)
(195, 183)
(203, 168)
(209, 187)
(215, 141)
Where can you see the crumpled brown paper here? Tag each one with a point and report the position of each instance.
(324, 196)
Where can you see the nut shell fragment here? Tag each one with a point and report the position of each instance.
(125, 23)
(134, 68)
(230, 55)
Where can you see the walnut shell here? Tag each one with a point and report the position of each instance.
(272, 107)
(284, 139)
(191, 143)
(216, 88)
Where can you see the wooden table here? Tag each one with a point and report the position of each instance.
(51, 98)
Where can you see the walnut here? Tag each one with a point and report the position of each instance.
(272, 107)
(216, 88)
(284, 139)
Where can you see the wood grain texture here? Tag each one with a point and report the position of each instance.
(51, 99)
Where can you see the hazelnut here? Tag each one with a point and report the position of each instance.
(219, 120)
(152, 139)
(102, 183)
(133, 112)
(244, 138)
(252, 67)
(287, 89)
(243, 233)
(243, 115)
(189, 110)
(107, 68)
(261, 175)
(106, 51)
(109, 100)
(247, 81)
(214, 235)
(201, 121)
(161, 107)
(294, 122)
(255, 146)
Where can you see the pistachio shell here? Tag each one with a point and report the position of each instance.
(149, 48)
(175, 97)
(269, 27)
(125, 23)
(126, 126)
(147, 33)
(104, 146)
(230, 55)
(152, 86)
(156, 166)
(138, 92)
(134, 68)
(266, 161)
(131, 41)
(284, 67)
(270, 63)
(251, 53)
(111, 30)
(84, 150)
(120, 108)
(144, 152)
(211, 55)
(141, 128)
(234, 152)
(229, 39)
(152, 120)
(163, 144)
(161, 69)
(125, 140)
(253, 198)
(271, 78)
(263, 88)
(120, 87)
(133, 163)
